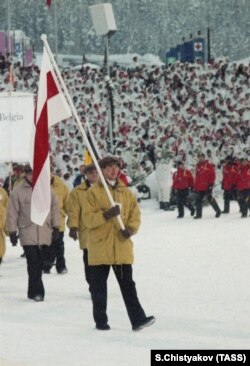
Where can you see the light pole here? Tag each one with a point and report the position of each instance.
(104, 23)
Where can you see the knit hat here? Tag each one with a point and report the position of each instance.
(109, 160)
(89, 168)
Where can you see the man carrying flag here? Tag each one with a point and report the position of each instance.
(34, 238)
(33, 208)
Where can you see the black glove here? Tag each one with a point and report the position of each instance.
(13, 238)
(210, 189)
(126, 233)
(112, 212)
(73, 233)
(55, 234)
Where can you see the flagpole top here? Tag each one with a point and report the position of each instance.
(43, 37)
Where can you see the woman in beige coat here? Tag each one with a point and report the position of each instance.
(3, 206)
(35, 239)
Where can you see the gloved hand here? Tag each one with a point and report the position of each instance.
(126, 233)
(73, 233)
(112, 212)
(13, 238)
(210, 189)
(55, 234)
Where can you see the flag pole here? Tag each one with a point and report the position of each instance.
(77, 120)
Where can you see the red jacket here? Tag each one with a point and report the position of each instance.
(229, 176)
(243, 178)
(182, 179)
(204, 176)
(123, 178)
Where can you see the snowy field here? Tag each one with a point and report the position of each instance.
(193, 275)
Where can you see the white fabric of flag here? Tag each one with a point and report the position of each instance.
(51, 108)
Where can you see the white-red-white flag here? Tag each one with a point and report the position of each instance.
(51, 108)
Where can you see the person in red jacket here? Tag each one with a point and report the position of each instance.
(229, 176)
(203, 186)
(183, 181)
(243, 186)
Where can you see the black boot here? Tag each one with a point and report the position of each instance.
(191, 208)
(215, 205)
(168, 207)
(161, 205)
(226, 207)
(180, 210)
(216, 208)
(198, 211)
(192, 211)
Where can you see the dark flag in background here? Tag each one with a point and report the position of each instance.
(48, 2)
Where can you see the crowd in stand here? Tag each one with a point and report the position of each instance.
(181, 108)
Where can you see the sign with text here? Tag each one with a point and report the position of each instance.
(16, 126)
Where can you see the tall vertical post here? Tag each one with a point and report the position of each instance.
(56, 30)
(110, 94)
(208, 45)
(104, 24)
(9, 50)
(9, 27)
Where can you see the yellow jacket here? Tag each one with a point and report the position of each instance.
(74, 212)
(62, 193)
(3, 205)
(106, 244)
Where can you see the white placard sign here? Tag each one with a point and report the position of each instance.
(16, 126)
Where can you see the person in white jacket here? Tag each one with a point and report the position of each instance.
(164, 167)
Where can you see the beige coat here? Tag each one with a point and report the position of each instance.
(62, 193)
(74, 212)
(3, 206)
(106, 244)
(18, 217)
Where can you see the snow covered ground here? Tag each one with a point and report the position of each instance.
(193, 275)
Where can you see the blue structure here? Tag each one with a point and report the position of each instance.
(188, 51)
(171, 55)
(199, 48)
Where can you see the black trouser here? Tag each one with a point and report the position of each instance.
(55, 253)
(199, 199)
(86, 265)
(244, 199)
(98, 288)
(34, 257)
(227, 197)
(182, 200)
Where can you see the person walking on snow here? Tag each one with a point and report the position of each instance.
(34, 238)
(183, 181)
(203, 186)
(110, 246)
(55, 252)
(77, 228)
(3, 206)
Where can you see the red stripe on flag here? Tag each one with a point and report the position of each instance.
(48, 2)
(41, 143)
(41, 150)
(52, 89)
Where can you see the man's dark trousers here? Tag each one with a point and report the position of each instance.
(34, 257)
(98, 288)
